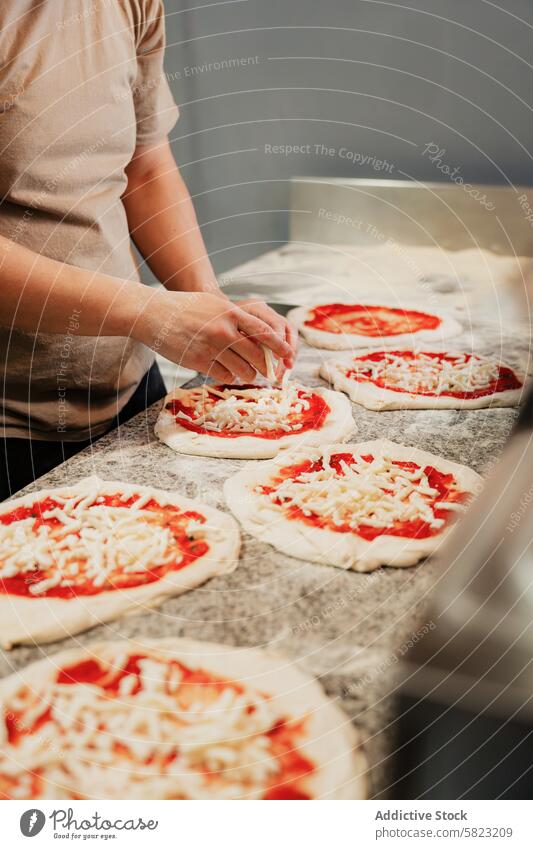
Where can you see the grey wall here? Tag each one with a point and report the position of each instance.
(379, 79)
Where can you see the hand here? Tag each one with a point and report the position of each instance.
(209, 334)
(277, 322)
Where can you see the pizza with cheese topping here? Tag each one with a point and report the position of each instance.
(402, 379)
(252, 422)
(73, 557)
(340, 326)
(357, 506)
(173, 719)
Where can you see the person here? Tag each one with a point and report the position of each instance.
(86, 167)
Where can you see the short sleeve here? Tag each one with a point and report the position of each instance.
(155, 110)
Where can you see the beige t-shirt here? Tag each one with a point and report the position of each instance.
(81, 85)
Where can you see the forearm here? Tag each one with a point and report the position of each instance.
(199, 330)
(40, 295)
(163, 223)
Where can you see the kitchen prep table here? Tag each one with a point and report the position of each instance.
(347, 628)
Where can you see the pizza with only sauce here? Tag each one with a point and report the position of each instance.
(340, 326)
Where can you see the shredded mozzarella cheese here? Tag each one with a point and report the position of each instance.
(151, 744)
(91, 543)
(375, 493)
(247, 410)
(422, 373)
(271, 364)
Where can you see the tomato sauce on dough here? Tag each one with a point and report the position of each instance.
(445, 484)
(187, 550)
(310, 419)
(370, 320)
(196, 685)
(506, 379)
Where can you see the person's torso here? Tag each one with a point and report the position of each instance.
(67, 129)
(67, 133)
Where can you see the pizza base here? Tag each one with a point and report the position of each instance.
(43, 620)
(331, 548)
(339, 425)
(373, 397)
(334, 743)
(345, 341)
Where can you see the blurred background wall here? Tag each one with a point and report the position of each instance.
(359, 87)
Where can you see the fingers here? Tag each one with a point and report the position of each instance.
(265, 313)
(278, 323)
(237, 365)
(291, 335)
(283, 328)
(249, 351)
(216, 371)
(261, 332)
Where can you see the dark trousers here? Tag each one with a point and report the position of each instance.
(24, 460)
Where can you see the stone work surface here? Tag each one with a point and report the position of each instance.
(349, 629)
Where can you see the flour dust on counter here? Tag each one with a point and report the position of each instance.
(76, 556)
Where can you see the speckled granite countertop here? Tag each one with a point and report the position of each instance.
(350, 629)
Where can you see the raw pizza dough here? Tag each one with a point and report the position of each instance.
(277, 414)
(441, 377)
(174, 719)
(371, 315)
(53, 604)
(368, 498)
